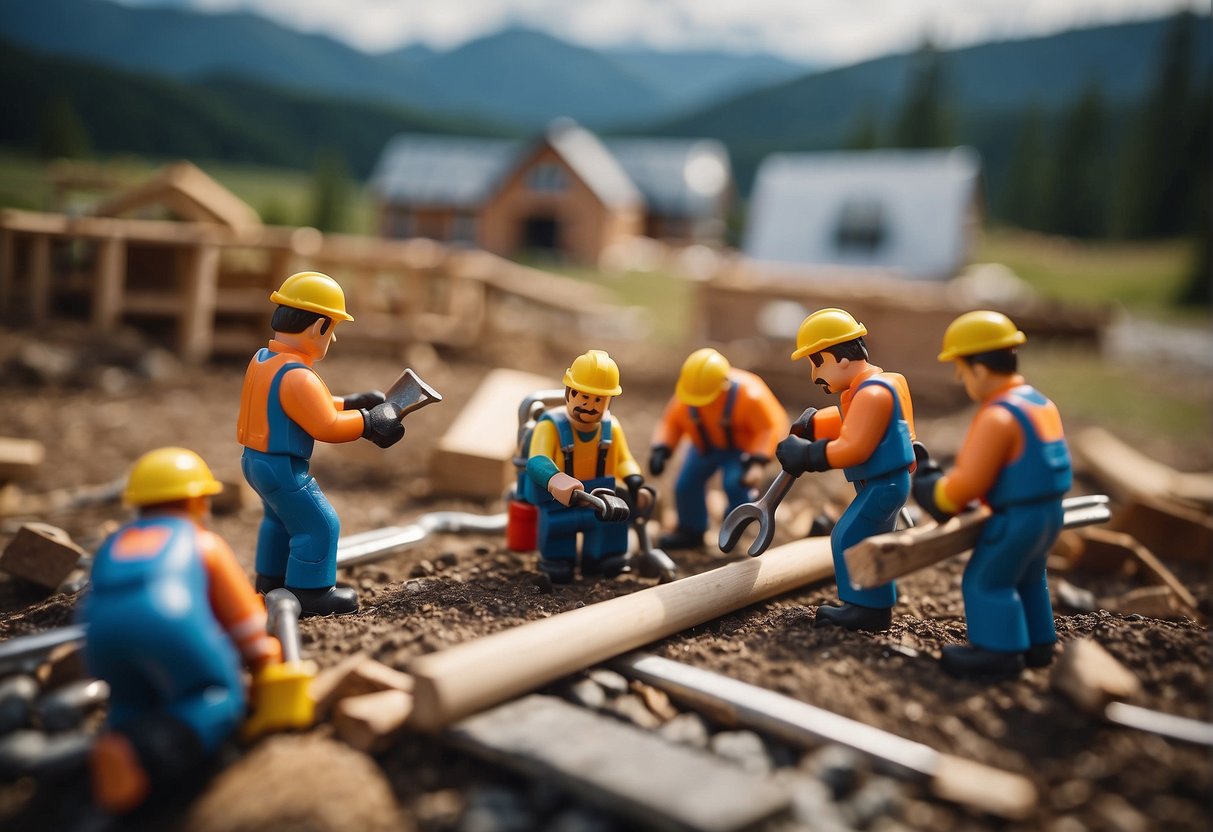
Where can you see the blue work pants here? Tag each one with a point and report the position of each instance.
(559, 525)
(689, 491)
(297, 539)
(873, 511)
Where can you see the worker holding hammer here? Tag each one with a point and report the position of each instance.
(869, 436)
(1014, 458)
(284, 408)
(575, 457)
(171, 618)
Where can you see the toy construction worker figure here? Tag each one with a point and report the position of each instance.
(171, 617)
(869, 436)
(284, 409)
(579, 448)
(733, 422)
(1015, 459)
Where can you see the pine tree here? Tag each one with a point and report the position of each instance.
(1024, 194)
(1077, 187)
(924, 120)
(61, 133)
(330, 191)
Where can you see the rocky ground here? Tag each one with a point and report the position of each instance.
(96, 417)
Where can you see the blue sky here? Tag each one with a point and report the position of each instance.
(821, 32)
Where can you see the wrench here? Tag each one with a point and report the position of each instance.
(763, 510)
(650, 562)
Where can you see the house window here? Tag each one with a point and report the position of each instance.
(463, 228)
(861, 227)
(546, 179)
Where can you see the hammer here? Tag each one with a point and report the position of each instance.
(281, 696)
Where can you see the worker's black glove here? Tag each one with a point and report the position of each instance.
(631, 491)
(616, 507)
(803, 426)
(926, 477)
(381, 425)
(798, 455)
(362, 401)
(659, 455)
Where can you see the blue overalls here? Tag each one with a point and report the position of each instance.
(1006, 593)
(689, 491)
(297, 539)
(152, 635)
(882, 485)
(558, 524)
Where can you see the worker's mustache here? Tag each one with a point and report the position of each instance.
(587, 411)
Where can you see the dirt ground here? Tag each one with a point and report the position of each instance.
(449, 589)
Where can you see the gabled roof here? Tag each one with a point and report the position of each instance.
(593, 163)
(678, 177)
(675, 177)
(907, 210)
(188, 193)
(441, 171)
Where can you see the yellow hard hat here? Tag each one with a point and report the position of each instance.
(314, 292)
(702, 378)
(594, 372)
(826, 328)
(978, 332)
(168, 474)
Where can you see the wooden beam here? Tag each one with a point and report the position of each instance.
(621, 768)
(19, 457)
(1088, 675)
(371, 722)
(1173, 531)
(1103, 543)
(453, 683)
(40, 278)
(41, 554)
(196, 324)
(1128, 473)
(109, 282)
(952, 778)
(475, 457)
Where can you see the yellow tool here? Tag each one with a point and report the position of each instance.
(282, 697)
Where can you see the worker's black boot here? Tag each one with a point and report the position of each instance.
(559, 571)
(855, 617)
(969, 662)
(609, 567)
(1039, 655)
(681, 538)
(329, 600)
(266, 584)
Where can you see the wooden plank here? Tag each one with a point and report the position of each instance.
(963, 781)
(373, 721)
(1100, 544)
(462, 680)
(882, 558)
(199, 288)
(621, 768)
(475, 457)
(40, 278)
(1172, 531)
(1088, 675)
(109, 281)
(19, 457)
(1128, 473)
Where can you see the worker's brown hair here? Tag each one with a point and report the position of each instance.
(855, 349)
(292, 320)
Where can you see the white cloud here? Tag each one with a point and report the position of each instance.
(819, 31)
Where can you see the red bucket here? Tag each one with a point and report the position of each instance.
(521, 526)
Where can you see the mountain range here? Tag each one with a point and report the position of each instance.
(517, 77)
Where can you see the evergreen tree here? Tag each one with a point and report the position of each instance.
(330, 191)
(1198, 289)
(924, 120)
(1157, 198)
(1024, 194)
(61, 133)
(1077, 186)
(865, 134)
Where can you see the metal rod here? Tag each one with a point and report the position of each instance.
(1156, 722)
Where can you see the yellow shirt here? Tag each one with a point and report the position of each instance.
(545, 441)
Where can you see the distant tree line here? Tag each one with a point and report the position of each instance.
(1088, 172)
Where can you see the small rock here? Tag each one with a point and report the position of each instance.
(878, 797)
(17, 694)
(447, 559)
(613, 683)
(588, 694)
(412, 586)
(811, 802)
(35, 754)
(744, 748)
(1119, 815)
(422, 569)
(541, 582)
(633, 709)
(838, 767)
(438, 809)
(686, 729)
(495, 810)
